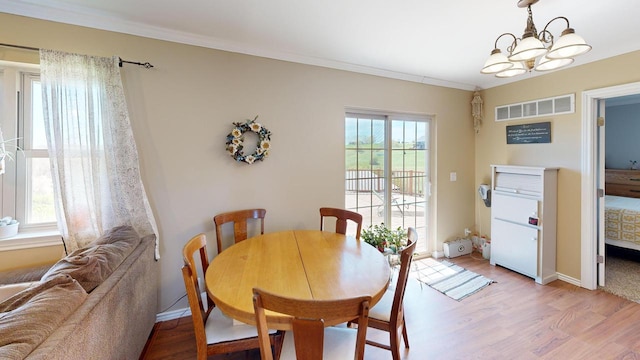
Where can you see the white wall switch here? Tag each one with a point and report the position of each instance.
(453, 176)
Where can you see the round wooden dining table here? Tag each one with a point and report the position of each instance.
(302, 264)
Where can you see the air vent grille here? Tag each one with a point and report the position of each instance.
(564, 104)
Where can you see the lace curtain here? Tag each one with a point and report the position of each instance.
(94, 160)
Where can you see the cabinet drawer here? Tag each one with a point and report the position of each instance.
(627, 177)
(514, 208)
(514, 247)
(518, 183)
(623, 190)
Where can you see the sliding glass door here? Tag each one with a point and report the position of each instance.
(388, 171)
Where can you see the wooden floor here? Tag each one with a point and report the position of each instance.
(514, 318)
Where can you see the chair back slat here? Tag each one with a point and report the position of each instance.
(311, 345)
(240, 224)
(307, 321)
(342, 217)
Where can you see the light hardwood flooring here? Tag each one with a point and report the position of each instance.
(514, 318)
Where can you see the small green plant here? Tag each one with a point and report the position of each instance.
(383, 238)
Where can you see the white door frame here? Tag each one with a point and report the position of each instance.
(589, 214)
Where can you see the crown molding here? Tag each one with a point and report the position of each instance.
(83, 16)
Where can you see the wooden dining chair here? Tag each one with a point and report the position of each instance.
(342, 216)
(240, 220)
(388, 314)
(215, 333)
(309, 338)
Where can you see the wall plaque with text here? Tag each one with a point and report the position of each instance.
(536, 133)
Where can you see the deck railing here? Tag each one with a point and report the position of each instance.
(408, 182)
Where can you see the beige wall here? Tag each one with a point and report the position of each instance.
(16, 259)
(564, 151)
(182, 110)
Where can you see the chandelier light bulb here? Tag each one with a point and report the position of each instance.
(528, 48)
(546, 64)
(496, 62)
(517, 69)
(568, 45)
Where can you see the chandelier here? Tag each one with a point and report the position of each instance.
(524, 52)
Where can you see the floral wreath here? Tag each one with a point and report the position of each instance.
(236, 137)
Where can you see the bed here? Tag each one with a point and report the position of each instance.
(622, 208)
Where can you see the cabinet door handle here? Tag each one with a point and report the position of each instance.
(634, 179)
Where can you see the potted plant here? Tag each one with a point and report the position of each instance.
(384, 239)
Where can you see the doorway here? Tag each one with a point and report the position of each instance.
(592, 219)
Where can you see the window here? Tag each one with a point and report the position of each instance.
(544, 107)
(27, 189)
(387, 170)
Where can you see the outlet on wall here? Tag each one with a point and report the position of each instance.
(467, 232)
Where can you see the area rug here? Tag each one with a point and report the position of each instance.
(450, 279)
(622, 273)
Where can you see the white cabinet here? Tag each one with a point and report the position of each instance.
(523, 220)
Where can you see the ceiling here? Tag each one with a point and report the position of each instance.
(439, 42)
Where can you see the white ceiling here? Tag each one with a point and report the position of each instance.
(440, 42)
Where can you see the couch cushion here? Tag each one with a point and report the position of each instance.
(30, 316)
(90, 266)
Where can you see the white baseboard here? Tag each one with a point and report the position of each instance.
(174, 314)
(437, 254)
(569, 279)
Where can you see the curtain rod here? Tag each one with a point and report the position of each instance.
(146, 64)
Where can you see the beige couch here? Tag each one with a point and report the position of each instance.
(97, 303)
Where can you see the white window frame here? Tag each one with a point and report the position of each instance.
(12, 183)
(531, 109)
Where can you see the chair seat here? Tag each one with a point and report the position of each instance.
(339, 343)
(382, 310)
(219, 328)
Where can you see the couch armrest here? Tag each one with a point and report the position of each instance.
(6, 291)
